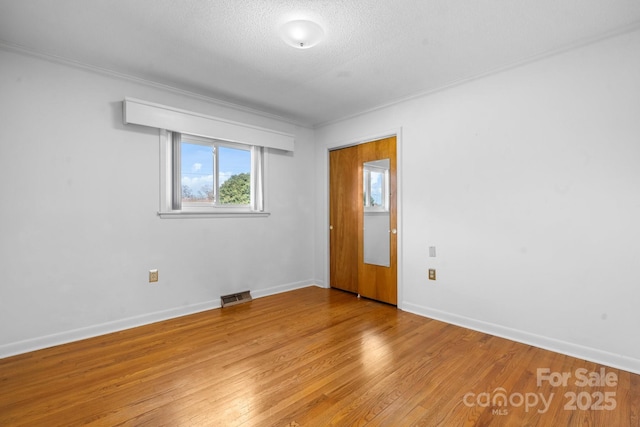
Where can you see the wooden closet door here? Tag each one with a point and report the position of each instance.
(345, 217)
(375, 281)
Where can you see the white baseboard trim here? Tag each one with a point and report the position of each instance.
(65, 337)
(259, 293)
(321, 284)
(613, 360)
(39, 343)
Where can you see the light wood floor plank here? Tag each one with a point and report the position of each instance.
(311, 357)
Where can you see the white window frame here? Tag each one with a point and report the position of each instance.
(164, 117)
(170, 179)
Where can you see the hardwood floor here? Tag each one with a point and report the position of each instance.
(311, 357)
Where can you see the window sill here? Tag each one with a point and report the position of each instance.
(193, 214)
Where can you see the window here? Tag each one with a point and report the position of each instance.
(209, 176)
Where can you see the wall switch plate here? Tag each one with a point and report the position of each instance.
(153, 275)
(432, 251)
(432, 274)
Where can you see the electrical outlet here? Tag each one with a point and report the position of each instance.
(432, 274)
(153, 275)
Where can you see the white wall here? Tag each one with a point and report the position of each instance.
(528, 183)
(78, 221)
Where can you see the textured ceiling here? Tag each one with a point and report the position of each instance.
(375, 52)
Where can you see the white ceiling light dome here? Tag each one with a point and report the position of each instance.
(302, 33)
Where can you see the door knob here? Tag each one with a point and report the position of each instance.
(394, 231)
(331, 227)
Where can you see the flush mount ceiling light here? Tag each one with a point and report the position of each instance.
(302, 34)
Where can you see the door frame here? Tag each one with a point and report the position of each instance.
(397, 132)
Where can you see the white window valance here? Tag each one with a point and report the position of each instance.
(159, 116)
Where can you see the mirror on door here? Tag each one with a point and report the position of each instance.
(376, 212)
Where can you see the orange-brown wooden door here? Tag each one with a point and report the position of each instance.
(347, 268)
(344, 213)
(376, 281)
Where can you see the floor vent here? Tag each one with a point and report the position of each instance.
(233, 299)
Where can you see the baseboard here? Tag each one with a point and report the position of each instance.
(570, 349)
(65, 337)
(39, 343)
(321, 284)
(259, 293)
